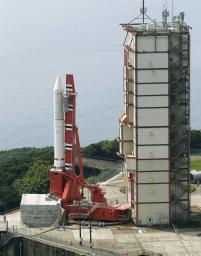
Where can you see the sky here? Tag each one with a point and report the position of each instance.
(42, 39)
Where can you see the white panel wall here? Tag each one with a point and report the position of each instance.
(153, 117)
(126, 136)
(152, 76)
(152, 44)
(158, 213)
(130, 40)
(131, 164)
(153, 193)
(150, 152)
(152, 89)
(162, 43)
(153, 101)
(152, 60)
(127, 148)
(153, 165)
(127, 133)
(153, 177)
(146, 43)
(131, 58)
(130, 113)
(152, 136)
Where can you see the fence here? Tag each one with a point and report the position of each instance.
(51, 238)
(196, 152)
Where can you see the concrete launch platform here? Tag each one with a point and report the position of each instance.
(123, 239)
(40, 210)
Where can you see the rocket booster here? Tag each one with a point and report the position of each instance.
(59, 151)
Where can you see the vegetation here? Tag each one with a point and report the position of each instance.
(196, 140)
(26, 170)
(20, 171)
(196, 165)
(103, 149)
(104, 175)
(36, 180)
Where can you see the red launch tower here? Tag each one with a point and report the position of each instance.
(67, 185)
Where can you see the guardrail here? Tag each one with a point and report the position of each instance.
(52, 239)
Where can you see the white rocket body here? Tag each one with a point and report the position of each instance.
(59, 152)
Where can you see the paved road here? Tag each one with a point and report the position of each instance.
(195, 157)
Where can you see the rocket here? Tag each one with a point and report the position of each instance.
(59, 151)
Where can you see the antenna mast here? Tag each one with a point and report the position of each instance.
(172, 9)
(143, 11)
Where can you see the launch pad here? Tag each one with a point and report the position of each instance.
(68, 188)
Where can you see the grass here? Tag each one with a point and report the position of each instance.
(196, 165)
(103, 176)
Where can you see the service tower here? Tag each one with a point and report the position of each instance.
(154, 129)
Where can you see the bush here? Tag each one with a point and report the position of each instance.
(195, 139)
(103, 149)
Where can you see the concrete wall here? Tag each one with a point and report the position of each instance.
(153, 177)
(149, 98)
(39, 210)
(152, 43)
(152, 76)
(153, 117)
(150, 214)
(153, 193)
(152, 136)
(152, 60)
(27, 247)
(153, 165)
(152, 89)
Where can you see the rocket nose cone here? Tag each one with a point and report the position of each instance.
(58, 85)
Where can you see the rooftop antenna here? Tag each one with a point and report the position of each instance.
(143, 11)
(165, 14)
(172, 10)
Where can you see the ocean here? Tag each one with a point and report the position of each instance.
(42, 39)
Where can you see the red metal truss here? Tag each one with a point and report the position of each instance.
(68, 185)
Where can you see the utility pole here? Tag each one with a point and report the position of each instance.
(20, 249)
(80, 228)
(90, 227)
(172, 10)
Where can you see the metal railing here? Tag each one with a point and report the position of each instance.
(51, 238)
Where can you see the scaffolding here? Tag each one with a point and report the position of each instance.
(179, 73)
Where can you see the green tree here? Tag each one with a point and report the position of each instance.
(36, 180)
(195, 139)
(103, 149)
